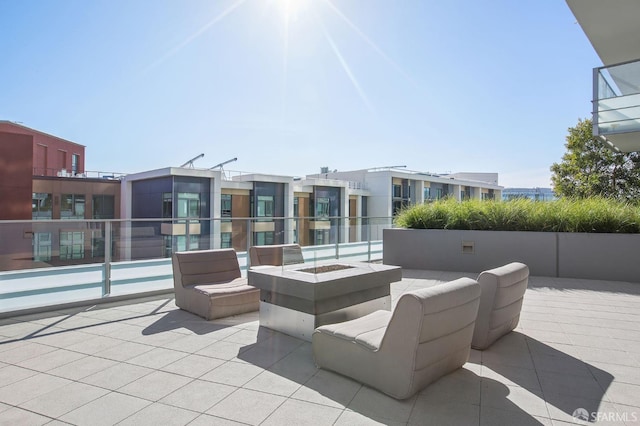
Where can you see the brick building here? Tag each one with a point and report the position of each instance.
(43, 177)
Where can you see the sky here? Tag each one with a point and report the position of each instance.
(289, 86)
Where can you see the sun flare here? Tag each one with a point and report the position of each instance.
(292, 9)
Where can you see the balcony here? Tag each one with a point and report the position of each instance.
(616, 115)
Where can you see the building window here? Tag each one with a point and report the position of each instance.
(75, 162)
(168, 245)
(71, 245)
(488, 195)
(322, 208)
(427, 193)
(439, 193)
(265, 206)
(296, 207)
(72, 206)
(42, 246)
(225, 206)
(167, 204)
(103, 207)
(98, 244)
(465, 194)
(188, 207)
(264, 238)
(321, 237)
(181, 242)
(397, 191)
(225, 240)
(188, 204)
(40, 206)
(397, 206)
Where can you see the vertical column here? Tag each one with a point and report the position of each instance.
(106, 283)
(289, 222)
(456, 192)
(344, 214)
(215, 210)
(124, 242)
(358, 221)
(418, 192)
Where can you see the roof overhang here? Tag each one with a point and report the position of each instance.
(611, 27)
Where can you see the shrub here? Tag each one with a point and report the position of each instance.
(564, 215)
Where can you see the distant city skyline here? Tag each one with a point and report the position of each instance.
(290, 86)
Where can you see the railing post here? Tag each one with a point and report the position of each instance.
(249, 238)
(106, 283)
(368, 240)
(187, 243)
(338, 239)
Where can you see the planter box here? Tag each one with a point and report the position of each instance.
(552, 254)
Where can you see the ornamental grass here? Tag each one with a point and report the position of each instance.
(600, 215)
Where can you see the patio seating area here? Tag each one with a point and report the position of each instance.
(145, 361)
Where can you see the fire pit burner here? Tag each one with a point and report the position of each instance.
(324, 268)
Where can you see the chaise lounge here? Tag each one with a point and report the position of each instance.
(208, 283)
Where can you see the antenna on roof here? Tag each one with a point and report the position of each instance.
(190, 162)
(224, 162)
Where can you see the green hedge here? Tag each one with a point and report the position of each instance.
(564, 215)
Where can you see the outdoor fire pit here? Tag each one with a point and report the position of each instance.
(297, 299)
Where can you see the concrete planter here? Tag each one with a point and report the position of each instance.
(554, 254)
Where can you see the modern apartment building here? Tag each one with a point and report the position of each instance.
(390, 189)
(235, 212)
(613, 30)
(536, 194)
(203, 208)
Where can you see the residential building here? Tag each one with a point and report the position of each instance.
(247, 209)
(178, 199)
(184, 208)
(536, 194)
(391, 188)
(612, 28)
(43, 177)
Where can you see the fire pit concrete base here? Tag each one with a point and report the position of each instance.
(296, 302)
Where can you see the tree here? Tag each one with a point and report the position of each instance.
(589, 168)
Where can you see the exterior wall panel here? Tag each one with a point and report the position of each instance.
(15, 176)
(56, 156)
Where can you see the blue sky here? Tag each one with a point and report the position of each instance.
(288, 86)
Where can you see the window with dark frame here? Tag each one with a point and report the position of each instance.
(72, 206)
(225, 206)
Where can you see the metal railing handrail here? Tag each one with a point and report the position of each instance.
(168, 219)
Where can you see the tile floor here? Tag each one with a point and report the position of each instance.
(145, 362)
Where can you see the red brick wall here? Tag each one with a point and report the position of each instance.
(15, 176)
(50, 154)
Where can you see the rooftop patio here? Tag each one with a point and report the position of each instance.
(147, 362)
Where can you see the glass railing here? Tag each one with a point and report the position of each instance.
(53, 262)
(617, 98)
